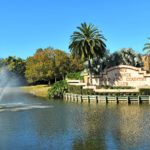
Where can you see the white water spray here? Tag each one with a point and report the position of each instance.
(9, 91)
(4, 81)
(7, 81)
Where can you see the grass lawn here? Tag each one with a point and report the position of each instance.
(37, 90)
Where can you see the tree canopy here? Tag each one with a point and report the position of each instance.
(126, 56)
(46, 65)
(87, 42)
(14, 64)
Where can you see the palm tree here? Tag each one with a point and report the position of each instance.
(126, 56)
(147, 47)
(130, 57)
(87, 43)
(147, 57)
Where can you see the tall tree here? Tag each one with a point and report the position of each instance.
(61, 63)
(40, 67)
(87, 43)
(126, 56)
(46, 65)
(130, 57)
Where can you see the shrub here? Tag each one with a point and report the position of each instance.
(88, 92)
(114, 87)
(123, 87)
(144, 91)
(75, 89)
(79, 90)
(57, 90)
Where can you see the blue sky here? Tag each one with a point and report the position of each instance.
(26, 25)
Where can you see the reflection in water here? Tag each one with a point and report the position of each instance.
(115, 127)
(134, 127)
(72, 126)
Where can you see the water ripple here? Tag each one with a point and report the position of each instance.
(21, 106)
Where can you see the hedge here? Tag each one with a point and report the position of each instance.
(114, 87)
(144, 91)
(79, 90)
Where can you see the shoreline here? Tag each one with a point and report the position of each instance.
(36, 90)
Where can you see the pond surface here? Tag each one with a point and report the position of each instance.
(58, 125)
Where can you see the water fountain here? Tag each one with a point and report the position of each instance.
(3, 81)
(9, 83)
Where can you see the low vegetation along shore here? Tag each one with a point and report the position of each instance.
(37, 90)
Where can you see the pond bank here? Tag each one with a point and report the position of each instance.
(107, 98)
(37, 90)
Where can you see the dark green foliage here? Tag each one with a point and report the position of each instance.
(88, 92)
(15, 65)
(74, 75)
(87, 42)
(125, 94)
(113, 59)
(74, 89)
(103, 87)
(114, 87)
(57, 90)
(122, 87)
(144, 91)
(126, 56)
(79, 90)
(98, 64)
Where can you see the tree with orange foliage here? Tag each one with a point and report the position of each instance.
(46, 65)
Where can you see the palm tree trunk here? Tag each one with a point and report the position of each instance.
(90, 71)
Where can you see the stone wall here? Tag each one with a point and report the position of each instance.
(122, 76)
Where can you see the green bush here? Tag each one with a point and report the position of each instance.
(114, 87)
(74, 75)
(79, 90)
(74, 89)
(88, 92)
(58, 88)
(123, 87)
(144, 91)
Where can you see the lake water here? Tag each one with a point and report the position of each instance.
(30, 123)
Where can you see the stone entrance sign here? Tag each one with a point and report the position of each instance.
(122, 76)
